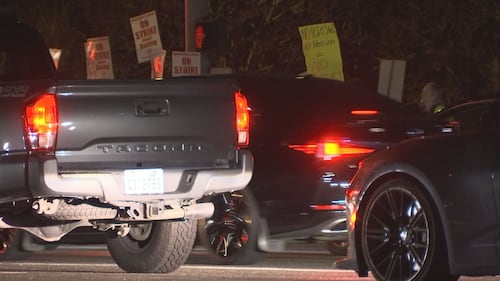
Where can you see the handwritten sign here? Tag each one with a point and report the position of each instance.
(146, 36)
(186, 63)
(320, 45)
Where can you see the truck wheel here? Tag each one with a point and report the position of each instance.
(153, 247)
(231, 234)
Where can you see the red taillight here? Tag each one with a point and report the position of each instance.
(305, 148)
(41, 123)
(242, 119)
(331, 149)
(332, 207)
(364, 112)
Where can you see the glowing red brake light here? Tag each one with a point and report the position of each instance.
(364, 112)
(331, 149)
(331, 207)
(242, 120)
(305, 148)
(41, 123)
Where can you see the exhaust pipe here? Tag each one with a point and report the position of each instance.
(199, 210)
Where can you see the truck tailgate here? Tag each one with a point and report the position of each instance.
(124, 124)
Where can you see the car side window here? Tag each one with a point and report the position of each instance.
(473, 117)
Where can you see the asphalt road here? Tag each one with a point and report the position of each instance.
(95, 264)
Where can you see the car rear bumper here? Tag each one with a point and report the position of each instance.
(109, 185)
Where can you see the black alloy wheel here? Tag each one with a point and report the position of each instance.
(400, 235)
(231, 234)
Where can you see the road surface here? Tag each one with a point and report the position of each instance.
(95, 264)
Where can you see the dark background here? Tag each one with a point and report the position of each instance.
(455, 43)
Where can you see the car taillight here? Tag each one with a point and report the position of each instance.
(242, 120)
(330, 207)
(364, 112)
(330, 149)
(41, 123)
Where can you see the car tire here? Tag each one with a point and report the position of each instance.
(153, 247)
(401, 237)
(231, 234)
(337, 248)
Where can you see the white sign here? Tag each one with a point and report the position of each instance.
(186, 63)
(391, 78)
(98, 54)
(157, 66)
(56, 56)
(146, 36)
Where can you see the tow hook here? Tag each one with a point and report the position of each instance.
(6, 237)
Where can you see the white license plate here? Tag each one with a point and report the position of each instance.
(143, 181)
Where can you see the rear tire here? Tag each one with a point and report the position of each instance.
(231, 234)
(401, 237)
(153, 247)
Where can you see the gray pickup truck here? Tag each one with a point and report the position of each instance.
(129, 158)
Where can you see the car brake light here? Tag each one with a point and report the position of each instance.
(331, 149)
(331, 207)
(41, 123)
(305, 148)
(364, 112)
(242, 120)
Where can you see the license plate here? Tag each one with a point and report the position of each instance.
(143, 181)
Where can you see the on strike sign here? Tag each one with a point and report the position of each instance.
(186, 63)
(146, 36)
(98, 55)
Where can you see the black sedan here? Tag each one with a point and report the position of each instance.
(428, 208)
(307, 136)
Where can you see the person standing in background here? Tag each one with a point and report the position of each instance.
(431, 98)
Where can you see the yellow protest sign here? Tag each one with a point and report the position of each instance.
(321, 48)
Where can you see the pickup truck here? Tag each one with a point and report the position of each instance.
(129, 158)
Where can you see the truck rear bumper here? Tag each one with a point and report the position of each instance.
(178, 184)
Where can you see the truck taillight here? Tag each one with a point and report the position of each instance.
(242, 120)
(330, 149)
(41, 123)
